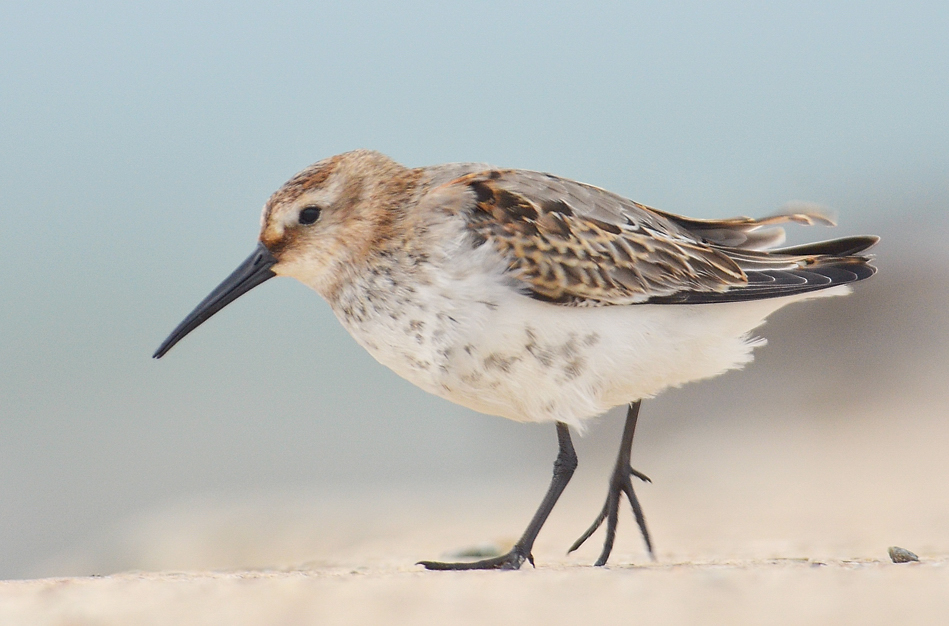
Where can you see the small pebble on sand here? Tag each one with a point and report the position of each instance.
(901, 555)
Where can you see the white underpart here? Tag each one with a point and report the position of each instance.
(466, 334)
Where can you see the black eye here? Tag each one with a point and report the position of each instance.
(310, 214)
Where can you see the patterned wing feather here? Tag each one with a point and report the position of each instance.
(576, 244)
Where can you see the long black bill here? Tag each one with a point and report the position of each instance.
(250, 273)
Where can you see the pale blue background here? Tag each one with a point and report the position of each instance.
(137, 145)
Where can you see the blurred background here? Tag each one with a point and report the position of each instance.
(138, 144)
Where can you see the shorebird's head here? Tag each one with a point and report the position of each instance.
(325, 220)
(316, 228)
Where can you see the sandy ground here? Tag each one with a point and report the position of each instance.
(791, 527)
(739, 592)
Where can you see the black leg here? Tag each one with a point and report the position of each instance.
(564, 466)
(620, 483)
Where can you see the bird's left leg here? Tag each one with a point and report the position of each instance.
(564, 466)
(620, 483)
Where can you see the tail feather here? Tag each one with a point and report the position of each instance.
(788, 271)
(845, 246)
(746, 233)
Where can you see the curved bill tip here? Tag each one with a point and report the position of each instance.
(252, 272)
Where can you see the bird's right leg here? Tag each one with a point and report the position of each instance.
(620, 483)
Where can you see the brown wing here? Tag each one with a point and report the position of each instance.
(577, 244)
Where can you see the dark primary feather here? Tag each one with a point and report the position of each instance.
(576, 244)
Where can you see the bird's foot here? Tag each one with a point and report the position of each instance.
(639, 475)
(620, 483)
(511, 561)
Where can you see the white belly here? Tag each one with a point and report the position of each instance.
(509, 355)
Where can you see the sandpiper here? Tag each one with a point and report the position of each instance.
(531, 296)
